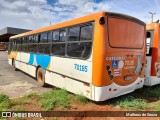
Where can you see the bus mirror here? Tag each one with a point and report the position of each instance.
(102, 21)
(157, 21)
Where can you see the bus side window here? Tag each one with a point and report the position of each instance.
(35, 38)
(62, 35)
(82, 47)
(9, 46)
(18, 44)
(48, 45)
(56, 36)
(43, 38)
(58, 49)
(34, 44)
(44, 45)
(30, 44)
(73, 34)
(86, 33)
(58, 45)
(24, 45)
(14, 48)
(30, 39)
(148, 43)
(49, 35)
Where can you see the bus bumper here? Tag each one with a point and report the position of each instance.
(114, 90)
(152, 80)
(10, 61)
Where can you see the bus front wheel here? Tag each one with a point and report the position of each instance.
(14, 65)
(41, 77)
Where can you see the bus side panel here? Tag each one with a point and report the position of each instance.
(24, 66)
(153, 73)
(12, 56)
(154, 52)
(74, 75)
(25, 57)
(53, 78)
(10, 61)
(78, 87)
(17, 60)
(74, 68)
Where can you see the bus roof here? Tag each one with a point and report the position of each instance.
(87, 18)
(152, 26)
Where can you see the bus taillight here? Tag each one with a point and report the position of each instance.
(109, 71)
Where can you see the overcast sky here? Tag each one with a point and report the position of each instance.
(34, 14)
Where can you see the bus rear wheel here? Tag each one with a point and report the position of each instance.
(41, 77)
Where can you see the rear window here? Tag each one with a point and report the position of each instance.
(124, 33)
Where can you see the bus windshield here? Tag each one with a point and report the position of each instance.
(125, 33)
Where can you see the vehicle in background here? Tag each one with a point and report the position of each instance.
(2, 46)
(152, 67)
(99, 56)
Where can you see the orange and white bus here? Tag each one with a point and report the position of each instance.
(100, 56)
(152, 70)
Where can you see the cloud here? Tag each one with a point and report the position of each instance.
(22, 14)
(137, 8)
(34, 14)
(75, 8)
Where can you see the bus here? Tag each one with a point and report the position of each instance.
(2, 46)
(99, 56)
(152, 67)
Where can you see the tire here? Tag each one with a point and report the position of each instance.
(14, 65)
(41, 77)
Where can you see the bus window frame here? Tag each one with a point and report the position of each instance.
(19, 43)
(32, 43)
(82, 41)
(24, 38)
(48, 42)
(63, 42)
(66, 42)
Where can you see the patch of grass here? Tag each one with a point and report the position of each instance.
(8, 104)
(4, 102)
(18, 102)
(55, 118)
(131, 103)
(32, 96)
(82, 99)
(54, 98)
(3, 97)
(152, 92)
